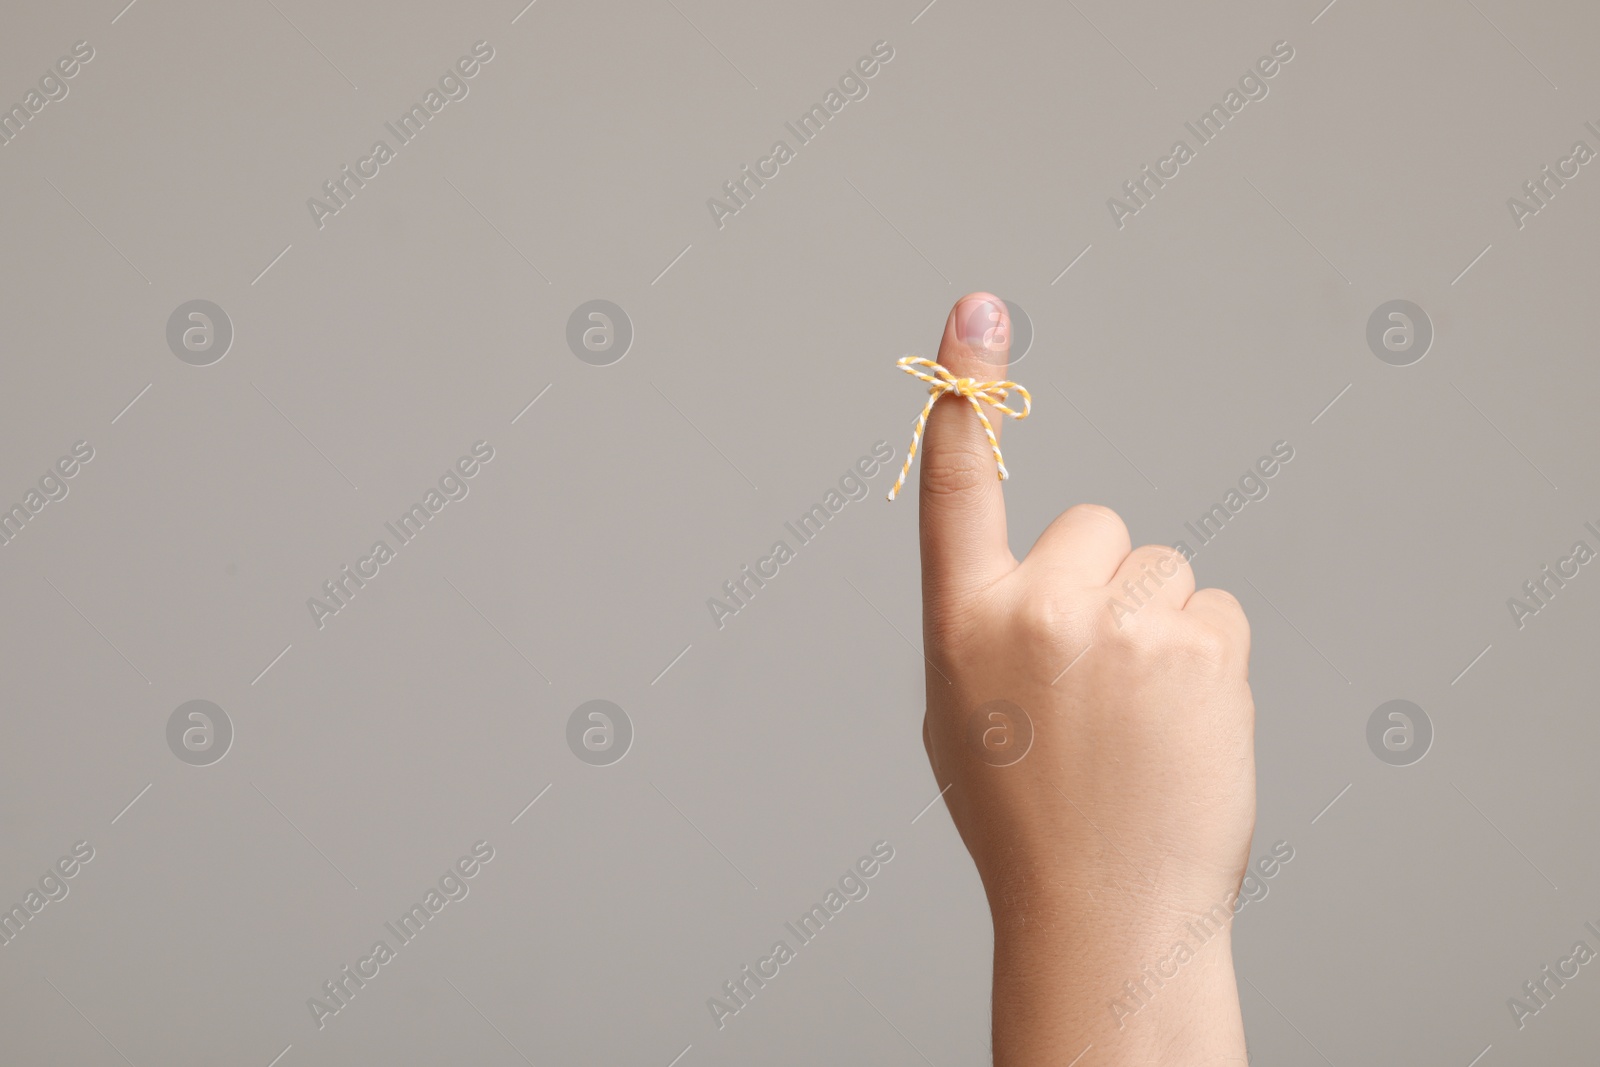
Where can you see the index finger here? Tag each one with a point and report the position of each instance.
(963, 512)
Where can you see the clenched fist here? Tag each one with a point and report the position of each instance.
(1090, 711)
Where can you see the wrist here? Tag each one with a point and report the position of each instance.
(1140, 989)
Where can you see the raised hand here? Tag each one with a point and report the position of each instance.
(1090, 711)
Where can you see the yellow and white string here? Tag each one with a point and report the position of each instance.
(941, 382)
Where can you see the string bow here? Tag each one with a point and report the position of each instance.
(942, 382)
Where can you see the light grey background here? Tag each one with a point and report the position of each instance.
(770, 754)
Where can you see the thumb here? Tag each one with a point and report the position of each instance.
(963, 514)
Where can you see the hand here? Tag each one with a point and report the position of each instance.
(1128, 810)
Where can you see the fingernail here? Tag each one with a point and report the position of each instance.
(980, 323)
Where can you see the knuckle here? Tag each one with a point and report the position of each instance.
(954, 471)
(1165, 560)
(1228, 611)
(1131, 631)
(1203, 647)
(1039, 618)
(1047, 623)
(1100, 515)
(1166, 641)
(1228, 603)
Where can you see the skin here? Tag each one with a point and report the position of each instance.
(1130, 814)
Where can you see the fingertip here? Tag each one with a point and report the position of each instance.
(978, 332)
